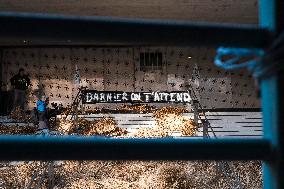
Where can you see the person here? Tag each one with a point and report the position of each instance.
(20, 82)
(41, 105)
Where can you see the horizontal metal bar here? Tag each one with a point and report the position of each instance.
(96, 148)
(43, 28)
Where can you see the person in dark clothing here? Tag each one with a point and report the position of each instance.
(20, 82)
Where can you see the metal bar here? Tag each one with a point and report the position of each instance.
(195, 110)
(43, 28)
(205, 128)
(270, 106)
(88, 148)
(271, 17)
(51, 175)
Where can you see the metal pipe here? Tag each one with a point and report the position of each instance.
(272, 92)
(46, 28)
(100, 148)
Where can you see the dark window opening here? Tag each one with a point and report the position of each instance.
(151, 61)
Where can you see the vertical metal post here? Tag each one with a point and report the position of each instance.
(51, 175)
(195, 111)
(76, 115)
(2, 109)
(205, 129)
(272, 100)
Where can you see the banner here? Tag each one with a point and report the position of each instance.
(92, 97)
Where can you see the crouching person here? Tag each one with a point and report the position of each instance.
(41, 104)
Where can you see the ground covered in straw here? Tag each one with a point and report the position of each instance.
(131, 174)
(127, 174)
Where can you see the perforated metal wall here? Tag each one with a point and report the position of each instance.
(53, 69)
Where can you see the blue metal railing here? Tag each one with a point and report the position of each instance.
(106, 31)
(86, 148)
(117, 31)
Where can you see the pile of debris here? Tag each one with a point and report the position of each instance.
(128, 174)
(131, 174)
(136, 108)
(102, 127)
(168, 120)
